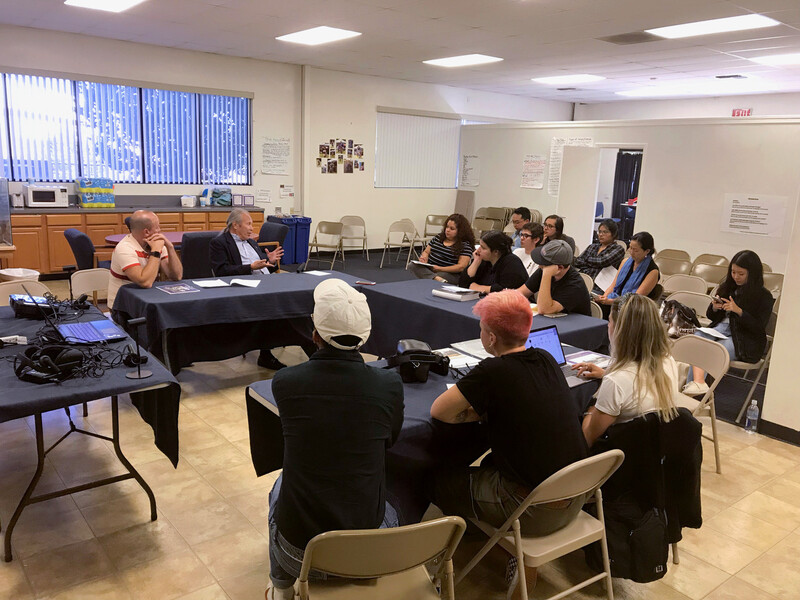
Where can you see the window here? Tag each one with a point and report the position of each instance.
(416, 152)
(55, 129)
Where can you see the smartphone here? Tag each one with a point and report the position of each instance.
(555, 315)
(365, 283)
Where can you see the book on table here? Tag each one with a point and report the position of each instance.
(453, 292)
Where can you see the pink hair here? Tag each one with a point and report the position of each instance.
(507, 314)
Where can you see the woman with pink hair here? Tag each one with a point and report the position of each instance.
(532, 423)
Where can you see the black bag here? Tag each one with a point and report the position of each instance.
(414, 359)
(682, 320)
(637, 542)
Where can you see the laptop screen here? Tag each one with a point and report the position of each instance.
(547, 339)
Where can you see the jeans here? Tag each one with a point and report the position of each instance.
(724, 327)
(285, 559)
(421, 272)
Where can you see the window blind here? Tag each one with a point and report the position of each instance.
(169, 122)
(225, 139)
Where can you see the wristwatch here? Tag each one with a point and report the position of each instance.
(157, 254)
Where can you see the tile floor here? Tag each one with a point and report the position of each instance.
(210, 539)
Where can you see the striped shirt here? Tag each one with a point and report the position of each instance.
(443, 256)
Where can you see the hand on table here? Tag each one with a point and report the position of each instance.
(589, 371)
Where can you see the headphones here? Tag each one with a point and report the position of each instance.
(80, 303)
(49, 364)
(414, 359)
(131, 359)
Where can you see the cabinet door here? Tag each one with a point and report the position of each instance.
(98, 234)
(31, 252)
(194, 227)
(59, 252)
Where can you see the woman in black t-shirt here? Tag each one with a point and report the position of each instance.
(494, 267)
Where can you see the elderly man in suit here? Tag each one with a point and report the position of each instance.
(235, 252)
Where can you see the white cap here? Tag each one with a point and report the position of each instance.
(341, 310)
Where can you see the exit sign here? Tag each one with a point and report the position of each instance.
(742, 112)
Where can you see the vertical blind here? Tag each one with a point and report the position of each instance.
(170, 136)
(416, 152)
(5, 156)
(225, 143)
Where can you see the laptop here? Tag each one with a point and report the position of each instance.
(547, 339)
(87, 332)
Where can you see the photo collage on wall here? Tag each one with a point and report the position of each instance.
(340, 156)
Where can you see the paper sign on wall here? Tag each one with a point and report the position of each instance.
(557, 154)
(470, 170)
(533, 171)
(275, 155)
(287, 191)
(754, 214)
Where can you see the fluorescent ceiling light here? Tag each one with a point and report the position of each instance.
(714, 26)
(463, 61)
(568, 79)
(107, 5)
(713, 87)
(318, 35)
(778, 60)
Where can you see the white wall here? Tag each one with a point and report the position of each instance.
(763, 105)
(608, 169)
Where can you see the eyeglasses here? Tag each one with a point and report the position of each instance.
(548, 226)
(525, 235)
(603, 232)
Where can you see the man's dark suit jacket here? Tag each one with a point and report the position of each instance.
(225, 257)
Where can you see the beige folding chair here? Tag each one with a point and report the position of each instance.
(332, 240)
(714, 360)
(481, 226)
(89, 281)
(761, 365)
(496, 213)
(433, 225)
(713, 274)
(676, 254)
(672, 266)
(684, 283)
(698, 301)
(623, 244)
(408, 237)
(597, 312)
(582, 477)
(382, 564)
(354, 229)
(711, 259)
(774, 283)
(37, 288)
(588, 281)
(536, 216)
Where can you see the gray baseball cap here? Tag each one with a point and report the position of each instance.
(557, 252)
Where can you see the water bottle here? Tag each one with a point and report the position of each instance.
(751, 422)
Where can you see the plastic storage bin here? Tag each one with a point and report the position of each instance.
(302, 234)
(289, 255)
(18, 274)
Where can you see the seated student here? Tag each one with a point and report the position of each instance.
(519, 218)
(530, 234)
(606, 252)
(493, 267)
(554, 230)
(741, 312)
(338, 417)
(558, 284)
(531, 420)
(448, 253)
(642, 377)
(638, 274)
(234, 251)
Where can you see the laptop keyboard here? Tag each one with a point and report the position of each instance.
(83, 331)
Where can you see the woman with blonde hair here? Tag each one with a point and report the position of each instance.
(642, 377)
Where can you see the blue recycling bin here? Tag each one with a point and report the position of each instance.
(289, 254)
(302, 235)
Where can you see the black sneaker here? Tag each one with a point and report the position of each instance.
(268, 361)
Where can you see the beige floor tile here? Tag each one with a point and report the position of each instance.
(780, 448)
(249, 586)
(208, 400)
(173, 499)
(746, 528)
(738, 589)
(777, 571)
(168, 577)
(216, 457)
(237, 480)
(49, 525)
(118, 514)
(142, 543)
(212, 592)
(711, 505)
(770, 509)
(200, 438)
(107, 493)
(254, 506)
(235, 553)
(13, 583)
(625, 589)
(718, 549)
(783, 489)
(758, 458)
(159, 473)
(56, 570)
(736, 481)
(14, 484)
(694, 577)
(200, 523)
(108, 588)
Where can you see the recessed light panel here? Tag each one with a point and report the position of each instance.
(318, 35)
(778, 60)
(463, 61)
(714, 87)
(714, 26)
(568, 79)
(107, 5)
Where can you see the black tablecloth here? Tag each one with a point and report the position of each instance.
(407, 309)
(159, 407)
(220, 323)
(424, 444)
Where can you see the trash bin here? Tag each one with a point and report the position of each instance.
(302, 234)
(289, 255)
(18, 274)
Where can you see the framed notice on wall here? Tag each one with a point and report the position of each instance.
(755, 214)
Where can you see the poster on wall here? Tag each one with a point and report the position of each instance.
(556, 156)
(533, 166)
(275, 154)
(340, 155)
(754, 214)
(470, 170)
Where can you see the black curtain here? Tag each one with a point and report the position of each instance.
(626, 180)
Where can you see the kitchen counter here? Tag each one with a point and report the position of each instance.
(128, 209)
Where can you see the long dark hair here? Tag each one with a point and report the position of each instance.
(750, 261)
(463, 233)
(497, 240)
(559, 227)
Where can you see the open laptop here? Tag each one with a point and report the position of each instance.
(547, 339)
(87, 332)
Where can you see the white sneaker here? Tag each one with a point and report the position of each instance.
(694, 388)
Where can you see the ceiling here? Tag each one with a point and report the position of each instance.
(536, 38)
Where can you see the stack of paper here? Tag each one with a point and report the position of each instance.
(453, 292)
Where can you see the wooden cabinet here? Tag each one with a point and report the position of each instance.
(59, 250)
(98, 226)
(30, 240)
(170, 221)
(217, 220)
(195, 222)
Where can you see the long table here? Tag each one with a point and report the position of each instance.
(156, 399)
(408, 309)
(220, 323)
(424, 444)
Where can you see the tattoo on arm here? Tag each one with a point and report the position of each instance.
(462, 416)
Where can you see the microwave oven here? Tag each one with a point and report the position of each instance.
(45, 196)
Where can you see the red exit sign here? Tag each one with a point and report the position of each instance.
(742, 112)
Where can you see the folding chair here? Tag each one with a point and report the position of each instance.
(676, 254)
(587, 279)
(333, 231)
(579, 478)
(433, 225)
(89, 281)
(684, 283)
(354, 229)
(711, 259)
(37, 288)
(672, 266)
(698, 301)
(597, 312)
(712, 274)
(408, 238)
(761, 365)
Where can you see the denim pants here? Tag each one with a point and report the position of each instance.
(286, 559)
(724, 327)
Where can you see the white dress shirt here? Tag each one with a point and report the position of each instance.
(248, 254)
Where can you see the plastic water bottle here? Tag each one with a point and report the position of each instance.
(751, 422)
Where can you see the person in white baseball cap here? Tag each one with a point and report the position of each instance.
(338, 417)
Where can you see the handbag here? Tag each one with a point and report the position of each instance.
(681, 319)
(415, 358)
